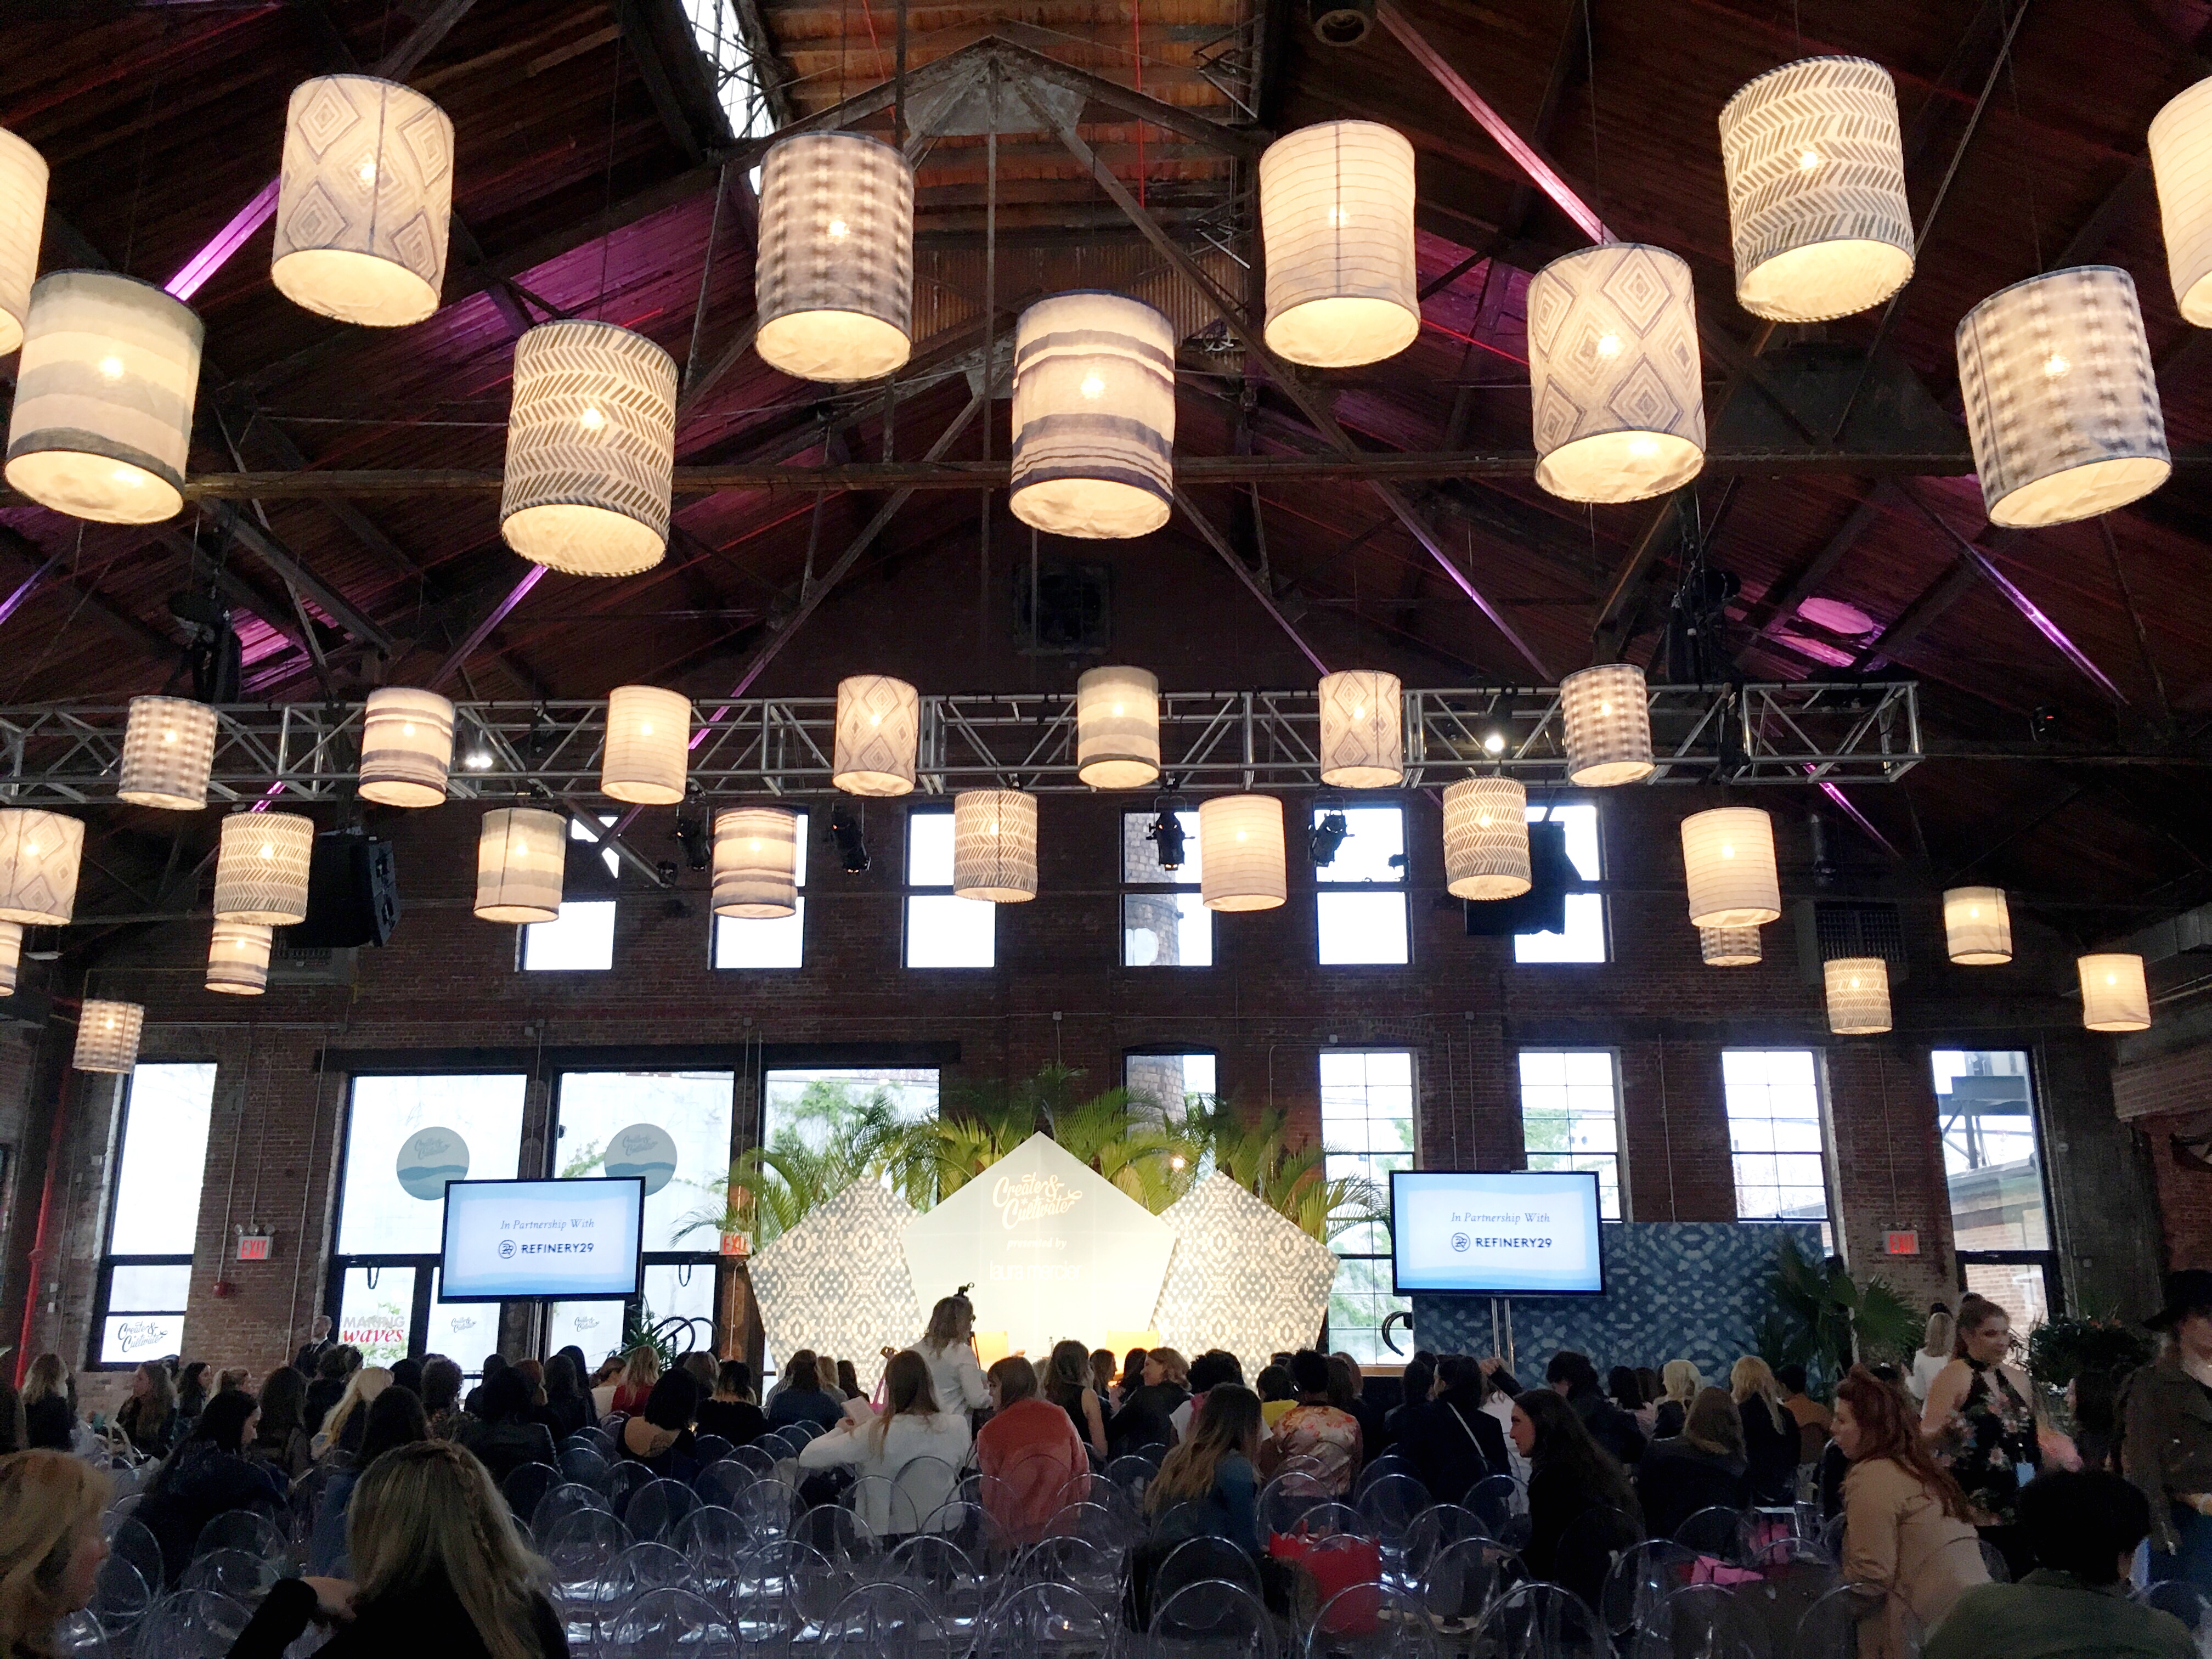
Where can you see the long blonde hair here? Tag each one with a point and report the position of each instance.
(428, 1508)
(363, 1386)
(1942, 1332)
(47, 1376)
(1751, 1375)
(1228, 1425)
(1681, 1379)
(48, 1501)
(642, 1366)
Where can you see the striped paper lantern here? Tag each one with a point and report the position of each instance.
(648, 747)
(1729, 947)
(756, 862)
(2181, 167)
(1976, 926)
(1117, 728)
(406, 747)
(238, 959)
(1094, 416)
(1486, 839)
(107, 1036)
(22, 222)
(1605, 720)
(834, 282)
(2115, 996)
(1242, 865)
(522, 858)
(1336, 212)
(1728, 857)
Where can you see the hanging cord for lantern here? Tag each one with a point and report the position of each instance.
(607, 203)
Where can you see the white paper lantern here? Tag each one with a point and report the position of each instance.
(878, 732)
(261, 869)
(1729, 947)
(1243, 866)
(364, 201)
(1976, 925)
(107, 1036)
(1363, 736)
(2062, 403)
(22, 222)
(648, 744)
(1615, 375)
(406, 747)
(1486, 839)
(1816, 168)
(1605, 716)
(1094, 416)
(522, 857)
(590, 450)
(39, 853)
(1858, 995)
(11, 956)
(1727, 855)
(833, 285)
(756, 862)
(2114, 995)
(168, 748)
(238, 959)
(1117, 728)
(2181, 167)
(995, 845)
(103, 418)
(1336, 211)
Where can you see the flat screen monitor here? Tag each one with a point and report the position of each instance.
(516, 1240)
(1502, 1233)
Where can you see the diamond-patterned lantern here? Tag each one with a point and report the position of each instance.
(107, 1036)
(1094, 416)
(1614, 374)
(756, 862)
(878, 732)
(648, 745)
(1605, 716)
(406, 747)
(364, 201)
(238, 959)
(1117, 728)
(1243, 866)
(522, 856)
(2181, 167)
(1858, 995)
(1976, 925)
(1362, 739)
(995, 845)
(834, 283)
(1729, 947)
(22, 221)
(169, 748)
(2115, 996)
(1728, 855)
(261, 869)
(1486, 839)
(1336, 210)
(39, 853)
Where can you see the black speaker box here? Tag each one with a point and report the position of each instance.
(1543, 908)
(353, 894)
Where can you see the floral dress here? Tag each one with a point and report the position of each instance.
(1993, 1438)
(1329, 1437)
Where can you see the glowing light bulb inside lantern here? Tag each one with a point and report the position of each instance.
(1360, 712)
(1482, 820)
(839, 230)
(2056, 365)
(1727, 852)
(169, 737)
(590, 420)
(645, 728)
(1093, 386)
(407, 729)
(1608, 346)
(123, 475)
(1605, 708)
(367, 170)
(1808, 161)
(1642, 448)
(110, 368)
(268, 849)
(1338, 217)
(875, 719)
(1117, 708)
(756, 843)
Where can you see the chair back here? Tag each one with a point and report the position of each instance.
(1037, 1621)
(721, 1481)
(193, 1624)
(710, 1529)
(120, 1597)
(670, 1623)
(581, 1549)
(80, 1637)
(1213, 1619)
(1464, 1578)
(1202, 1560)
(239, 1574)
(1365, 1621)
(1854, 1620)
(242, 1529)
(1387, 1507)
(657, 1508)
(134, 1542)
(1641, 1579)
(1705, 1621)
(888, 1621)
(1723, 1534)
(1538, 1620)
(586, 1465)
(560, 1502)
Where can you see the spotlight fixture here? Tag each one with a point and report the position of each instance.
(1166, 831)
(1329, 834)
(697, 842)
(1494, 744)
(847, 831)
(477, 760)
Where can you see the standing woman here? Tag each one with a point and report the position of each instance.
(947, 1347)
(1067, 1385)
(1981, 1416)
(51, 1546)
(1934, 1354)
(49, 1403)
(1770, 1433)
(148, 1417)
(2166, 1447)
(1907, 1528)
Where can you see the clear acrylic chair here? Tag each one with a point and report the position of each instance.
(80, 1637)
(2185, 1602)
(940, 1571)
(656, 1509)
(1284, 1501)
(134, 1542)
(581, 1551)
(889, 1621)
(1131, 1474)
(1537, 1621)
(1793, 1573)
(833, 1530)
(125, 1502)
(1433, 1528)
(925, 1485)
(1367, 1621)
(719, 1483)
(242, 1529)
(766, 1507)
(882, 1512)
(239, 1574)
(1046, 1621)
(711, 1447)
(670, 1623)
(526, 1484)
(193, 1624)
(1212, 1618)
(1703, 1621)
(1723, 1534)
(625, 1479)
(646, 1566)
(1387, 1507)
(760, 1457)
(1381, 1469)
(1095, 1522)
(597, 1435)
(1465, 1578)
(1641, 1580)
(586, 1465)
(761, 1601)
(1590, 1546)
(569, 1497)
(1202, 1560)
(1091, 1568)
(710, 1529)
(306, 1503)
(1855, 1620)
(1501, 1503)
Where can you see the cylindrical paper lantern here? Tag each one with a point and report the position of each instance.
(1729, 947)
(879, 731)
(756, 862)
(2181, 167)
(2114, 996)
(649, 741)
(238, 959)
(38, 856)
(104, 392)
(11, 956)
(1614, 374)
(261, 871)
(522, 855)
(995, 845)
(1336, 210)
(1117, 728)
(1486, 839)
(1240, 848)
(22, 221)
(169, 748)
(1605, 715)
(1363, 738)
(364, 201)
(1976, 925)
(107, 1036)
(406, 747)
(1858, 995)
(833, 285)
(2061, 401)
(1727, 854)
(590, 450)
(1094, 416)
(1816, 169)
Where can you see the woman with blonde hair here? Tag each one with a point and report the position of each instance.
(641, 1370)
(1934, 1354)
(49, 1403)
(910, 1427)
(148, 1417)
(51, 1546)
(1681, 1382)
(947, 1347)
(438, 1567)
(1207, 1486)
(1770, 1433)
(342, 1429)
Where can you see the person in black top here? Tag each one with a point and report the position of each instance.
(49, 1403)
(568, 1408)
(1572, 1375)
(1569, 1475)
(309, 1361)
(191, 1393)
(500, 1430)
(730, 1413)
(323, 1392)
(1147, 1413)
(1421, 1372)
(575, 1356)
(206, 1475)
(1451, 1441)
(1702, 1467)
(408, 1374)
(660, 1437)
(493, 1364)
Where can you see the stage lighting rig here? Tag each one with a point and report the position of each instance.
(847, 830)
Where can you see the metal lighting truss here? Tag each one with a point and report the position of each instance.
(1808, 732)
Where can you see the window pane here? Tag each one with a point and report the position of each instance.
(165, 1136)
(608, 856)
(142, 1290)
(1985, 1114)
(594, 1327)
(131, 1337)
(750, 942)
(1361, 927)
(944, 931)
(617, 1118)
(929, 849)
(583, 938)
(465, 1332)
(1571, 1117)
(378, 1216)
(1775, 1137)
(1378, 836)
(684, 1290)
(1166, 930)
(373, 1316)
(1367, 1131)
(1582, 938)
(1359, 1303)
(2019, 1287)
(1140, 855)
(812, 1108)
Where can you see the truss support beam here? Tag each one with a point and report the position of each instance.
(1219, 543)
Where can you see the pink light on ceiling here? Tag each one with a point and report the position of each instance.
(192, 275)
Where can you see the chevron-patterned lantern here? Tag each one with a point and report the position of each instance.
(995, 845)
(2181, 167)
(2115, 996)
(1614, 374)
(261, 869)
(1816, 168)
(1094, 416)
(1242, 862)
(22, 221)
(1605, 715)
(648, 745)
(169, 748)
(107, 1036)
(1363, 738)
(1976, 926)
(1486, 839)
(104, 390)
(1857, 994)
(1728, 856)
(2061, 403)
(522, 856)
(406, 747)
(1729, 947)
(590, 450)
(1336, 210)
(11, 956)
(39, 853)
(878, 732)
(834, 284)
(1117, 728)
(364, 201)
(756, 862)
(238, 959)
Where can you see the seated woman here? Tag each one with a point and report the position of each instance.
(568, 1408)
(148, 1417)
(641, 1370)
(280, 1441)
(730, 1413)
(660, 1437)
(1908, 1527)
(208, 1473)
(339, 1437)
(396, 1420)
(500, 1429)
(1570, 1474)
(910, 1427)
(1031, 1457)
(802, 1399)
(1702, 1467)
(51, 1546)
(49, 1403)
(1146, 1416)
(1316, 1429)
(1207, 1486)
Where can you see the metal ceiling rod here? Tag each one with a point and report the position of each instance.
(1253, 583)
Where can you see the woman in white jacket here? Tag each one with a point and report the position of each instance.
(899, 1500)
(947, 1347)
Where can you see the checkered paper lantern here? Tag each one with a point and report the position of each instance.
(878, 732)
(11, 956)
(1857, 994)
(522, 856)
(1728, 855)
(406, 747)
(22, 221)
(1117, 728)
(756, 862)
(1336, 210)
(2115, 996)
(1618, 405)
(1605, 716)
(1816, 169)
(834, 282)
(1094, 416)
(2062, 403)
(238, 959)
(261, 868)
(1976, 925)
(364, 201)
(39, 853)
(995, 845)
(2181, 167)
(1243, 866)
(1363, 736)
(648, 747)
(1729, 947)
(107, 1036)
(168, 748)
(590, 450)
(1486, 839)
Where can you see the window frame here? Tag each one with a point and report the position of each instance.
(1831, 1222)
(1620, 1153)
(1386, 1254)
(1125, 888)
(910, 889)
(1326, 886)
(104, 1274)
(2046, 1259)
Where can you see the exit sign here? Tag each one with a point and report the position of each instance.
(1905, 1243)
(254, 1247)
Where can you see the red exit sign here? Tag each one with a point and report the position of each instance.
(1907, 1242)
(254, 1247)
